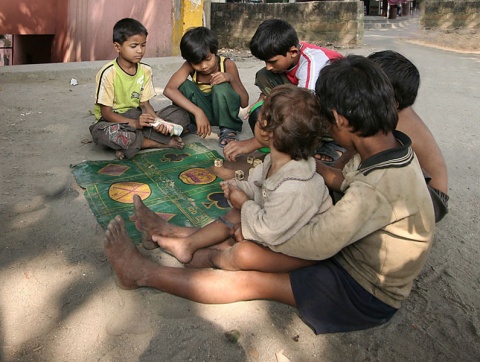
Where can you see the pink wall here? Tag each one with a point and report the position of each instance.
(90, 24)
(83, 28)
(28, 16)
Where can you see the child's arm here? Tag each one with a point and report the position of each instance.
(231, 75)
(171, 91)
(110, 116)
(281, 216)
(236, 196)
(148, 112)
(261, 98)
(333, 176)
(244, 147)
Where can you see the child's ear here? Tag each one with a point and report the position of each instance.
(264, 133)
(293, 51)
(340, 120)
(116, 47)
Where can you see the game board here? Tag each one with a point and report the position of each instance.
(176, 184)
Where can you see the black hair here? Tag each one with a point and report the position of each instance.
(127, 27)
(291, 113)
(272, 38)
(356, 88)
(403, 75)
(197, 43)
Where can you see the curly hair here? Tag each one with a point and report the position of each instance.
(292, 114)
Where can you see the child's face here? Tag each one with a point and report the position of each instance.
(207, 66)
(133, 49)
(280, 63)
(260, 134)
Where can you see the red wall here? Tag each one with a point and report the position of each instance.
(82, 29)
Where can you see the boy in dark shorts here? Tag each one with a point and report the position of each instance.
(370, 246)
(208, 86)
(124, 119)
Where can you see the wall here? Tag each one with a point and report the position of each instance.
(187, 14)
(319, 22)
(28, 17)
(88, 31)
(450, 14)
(82, 29)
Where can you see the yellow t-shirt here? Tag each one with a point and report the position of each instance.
(120, 90)
(207, 87)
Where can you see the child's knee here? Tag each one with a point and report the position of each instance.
(244, 255)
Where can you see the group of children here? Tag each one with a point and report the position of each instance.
(284, 239)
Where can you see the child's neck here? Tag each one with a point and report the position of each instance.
(278, 159)
(128, 67)
(370, 146)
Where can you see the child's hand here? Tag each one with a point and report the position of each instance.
(220, 77)
(236, 196)
(163, 129)
(145, 120)
(233, 149)
(260, 98)
(203, 125)
(226, 187)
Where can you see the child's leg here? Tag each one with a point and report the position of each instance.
(152, 224)
(247, 255)
(197, 97)
(266, 80)
(120, 137)
(183, 248)
(153, 139)
(133, 270)
(226, 106)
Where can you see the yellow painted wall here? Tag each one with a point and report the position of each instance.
(186, 14)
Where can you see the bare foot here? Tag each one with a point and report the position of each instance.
(176, 142)
(323, 158)
(128, 264)
(119, 154)
(152, 224)
(177, 247)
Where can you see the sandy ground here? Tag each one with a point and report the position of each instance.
(58, 298)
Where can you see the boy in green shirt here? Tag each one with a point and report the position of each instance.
(125, 119)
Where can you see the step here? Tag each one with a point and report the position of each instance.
(380, 22)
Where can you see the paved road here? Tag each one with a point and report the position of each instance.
(58, 300)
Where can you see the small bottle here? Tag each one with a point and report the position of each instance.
(173, 129)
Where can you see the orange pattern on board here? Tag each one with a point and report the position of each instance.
(123, 191)
(197, 176)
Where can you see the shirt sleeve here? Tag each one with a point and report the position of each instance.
(248, 186)
(281, 215)
(105, 94)
(361, 211)
(148, 87)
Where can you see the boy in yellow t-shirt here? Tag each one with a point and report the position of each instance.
(125, 120)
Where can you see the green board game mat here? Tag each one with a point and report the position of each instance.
(176, 184)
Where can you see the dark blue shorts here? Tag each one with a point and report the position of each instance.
(330, 300)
